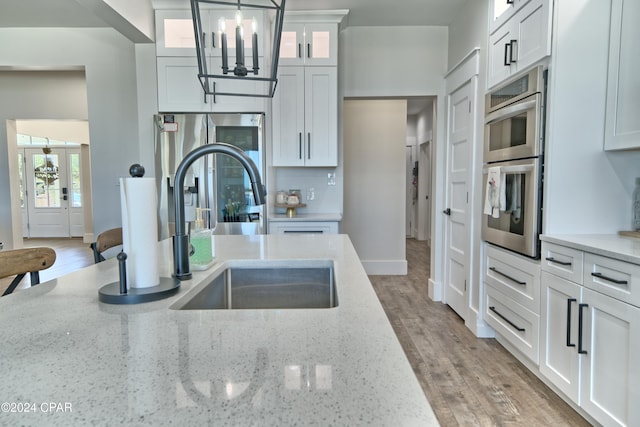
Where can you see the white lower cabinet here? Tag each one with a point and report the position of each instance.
(303, 227)
(589, 342)
(559, 360)
(512, 299)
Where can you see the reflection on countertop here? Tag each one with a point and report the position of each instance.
(146, 364)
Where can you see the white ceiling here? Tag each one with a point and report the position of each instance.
(70, 13)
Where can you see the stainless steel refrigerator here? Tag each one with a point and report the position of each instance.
(217, 182)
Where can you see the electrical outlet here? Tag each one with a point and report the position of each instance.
(311, 194)
(331, 178)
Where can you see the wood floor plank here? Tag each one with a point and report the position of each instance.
(468, 381)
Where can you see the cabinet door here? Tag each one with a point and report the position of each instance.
(309, 44)
(288, 118)
(622, 127)
(321, 44)
(610, 389)
(174, 33)
(292, 45)
(533, 25)
(321, 116)
(500, 55)
(236, 104)
(559, 361)
(179, 88)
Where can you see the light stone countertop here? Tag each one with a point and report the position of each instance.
(610, 245)
(318, 217)
(147, 364)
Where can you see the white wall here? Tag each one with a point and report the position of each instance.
(60, 130)
(376, 63)
(587, 190)
(375, 134)
(393, 61)
(109, 62)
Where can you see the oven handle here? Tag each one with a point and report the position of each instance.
(512, 169)
(511, 110)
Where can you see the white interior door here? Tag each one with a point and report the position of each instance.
(53, 192)
(457, 173)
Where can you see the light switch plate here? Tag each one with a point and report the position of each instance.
(331, 178)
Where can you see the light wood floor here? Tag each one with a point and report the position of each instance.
(71, 254)
(468, 381)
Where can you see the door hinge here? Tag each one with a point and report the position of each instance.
(467, 197)
(465, 285)
(469, 106)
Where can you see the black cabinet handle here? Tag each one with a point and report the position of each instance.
(300, 145)
(609, 279)
(506, 54)
(507, 276)
(308, 50)
(308, 145)
(513, 45)
(299, 50)
(204, 40)
(213, 39)
(555, 261)
(513, 325)
(569, 301)
(580, 322)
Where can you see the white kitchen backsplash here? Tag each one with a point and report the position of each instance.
(326, 198)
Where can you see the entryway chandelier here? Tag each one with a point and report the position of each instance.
(240, 72)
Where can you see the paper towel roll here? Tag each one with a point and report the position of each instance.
(140, 231)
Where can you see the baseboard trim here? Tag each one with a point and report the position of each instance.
(88, 238)
(435, 291)
(385, 268)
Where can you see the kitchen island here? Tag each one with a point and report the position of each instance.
(68, 359)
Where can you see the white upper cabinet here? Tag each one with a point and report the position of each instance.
(305, 114)
(622, 126)
(175, 32)
(179, 88)
(502, 10)
(309, 44)
(522, 39)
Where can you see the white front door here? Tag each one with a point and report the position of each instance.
(457, 173)
(53, 196)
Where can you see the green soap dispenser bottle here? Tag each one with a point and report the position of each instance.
(202, 257)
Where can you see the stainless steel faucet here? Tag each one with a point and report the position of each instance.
(181, 270)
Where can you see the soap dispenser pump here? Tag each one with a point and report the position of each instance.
(201, 257)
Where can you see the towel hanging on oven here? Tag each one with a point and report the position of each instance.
(495, 200)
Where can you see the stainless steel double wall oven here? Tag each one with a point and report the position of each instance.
(514, 145)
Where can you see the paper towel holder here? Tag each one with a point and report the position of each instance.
(119, 293)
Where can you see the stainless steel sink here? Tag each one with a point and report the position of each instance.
(300, 284)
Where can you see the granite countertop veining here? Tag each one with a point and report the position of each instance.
(147, 364)
(610, 245)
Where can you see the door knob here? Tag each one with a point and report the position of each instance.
(447, 211)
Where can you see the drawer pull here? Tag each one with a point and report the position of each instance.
(609, 279)
(569, 301)
(507, 276)
(555, 261)
(506, 320)
(580, 322)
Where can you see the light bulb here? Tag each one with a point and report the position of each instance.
(238, 18)
(222, 25)
(254, 25)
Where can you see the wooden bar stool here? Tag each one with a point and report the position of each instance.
(106, 240)
(19, 262)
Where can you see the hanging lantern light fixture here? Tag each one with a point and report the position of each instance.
(239, 72)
